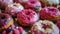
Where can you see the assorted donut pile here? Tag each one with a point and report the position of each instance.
(29, 16)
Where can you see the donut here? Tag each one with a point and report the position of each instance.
(33, 4)
(21, 1)
(4, 3)
(44, 27)
(49, 3)
(5, 21)
(58, 23)
(27, 17)
(13, 9)
(13, 30)
(50, 13)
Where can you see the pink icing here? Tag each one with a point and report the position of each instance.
(51, 12)
(32, 4)
(27, 17)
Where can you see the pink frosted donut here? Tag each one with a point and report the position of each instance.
(4, 3)
(27, 17)
(5, 21)
(33, 4)
(13, 9)
(50, 13)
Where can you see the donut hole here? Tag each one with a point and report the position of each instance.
(3, 17)
(51, 9)
(46, 26)
(27, 13)
(28, 18)
(15, 5)
(32, 2)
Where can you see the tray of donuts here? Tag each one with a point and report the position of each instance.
(29, 16)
